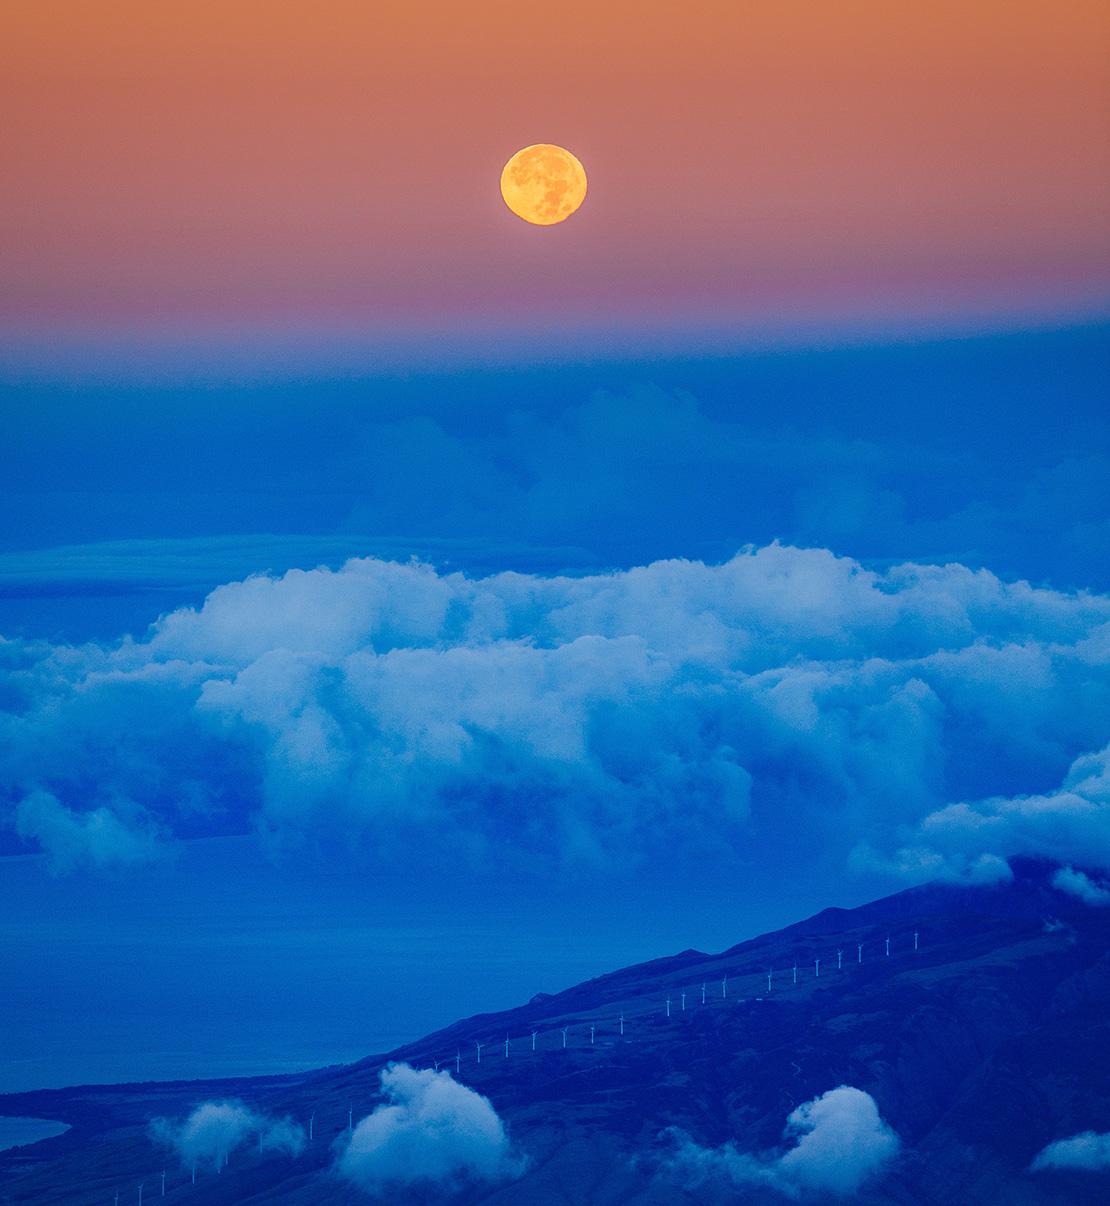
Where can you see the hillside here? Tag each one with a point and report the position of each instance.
(987, 1042)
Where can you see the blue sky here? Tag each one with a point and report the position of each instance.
(782, 629)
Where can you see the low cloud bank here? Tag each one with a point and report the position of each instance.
(925, 720)
(209, 1135)
(839, 1141)
(1085, 1152)
(430, 1129)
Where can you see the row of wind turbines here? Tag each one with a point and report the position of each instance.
(672, 1006)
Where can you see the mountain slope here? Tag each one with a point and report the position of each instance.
(979, 1047)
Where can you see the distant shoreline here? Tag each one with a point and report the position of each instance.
(20, 1131)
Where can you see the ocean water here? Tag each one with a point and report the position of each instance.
(18, 1132)
(220, 963)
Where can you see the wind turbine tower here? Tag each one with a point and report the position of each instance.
(816, 968)
(703, 993)
(565, 1029)
(795, 973)
(479, 1046)
(888, 946)
(915, 936)
(859, 952)
(839, 959)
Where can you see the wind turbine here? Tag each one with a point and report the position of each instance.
(816, 968)
(592, 1029)
(458, 1062)
(859, 952)
(839, 959)
(506, 1046)
(140, 1193)
(622, 1025)
(163, 1182)
(795, 973)
(311, 1125)
(533, 1040)
(915, 940)
(479, 1046)
(703, 993)
(683, 1002)
(668, 1007)
(350, 1122)
(888, 946)
(769, 981)
(724, 987)
(565, 1029)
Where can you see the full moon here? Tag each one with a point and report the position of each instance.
(543, 184)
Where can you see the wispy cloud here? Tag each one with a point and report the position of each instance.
(1078, 883)
(214, 1129)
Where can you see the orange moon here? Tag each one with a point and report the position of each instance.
(543, 184)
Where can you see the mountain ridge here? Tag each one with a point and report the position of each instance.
(979, 1047)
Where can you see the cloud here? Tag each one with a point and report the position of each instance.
(1088, 1152)
(431, 1128)
(1072, 822)
(1076, 883)
(936, 720)
(215, 1129)
(99, 838)
(839, 1141)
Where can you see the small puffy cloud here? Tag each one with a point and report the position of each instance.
(1088, 1151)
(98, 838)
(1077, 883)
(430, 1129)
(216, 1128)
(839, 1141)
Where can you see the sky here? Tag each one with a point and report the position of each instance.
(377, 570)
(327, 174)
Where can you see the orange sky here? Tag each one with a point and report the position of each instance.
(254, 160)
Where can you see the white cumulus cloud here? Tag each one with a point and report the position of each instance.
(430, 1129)
(927, 715)
(839, 1140)
(1088, 1151)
